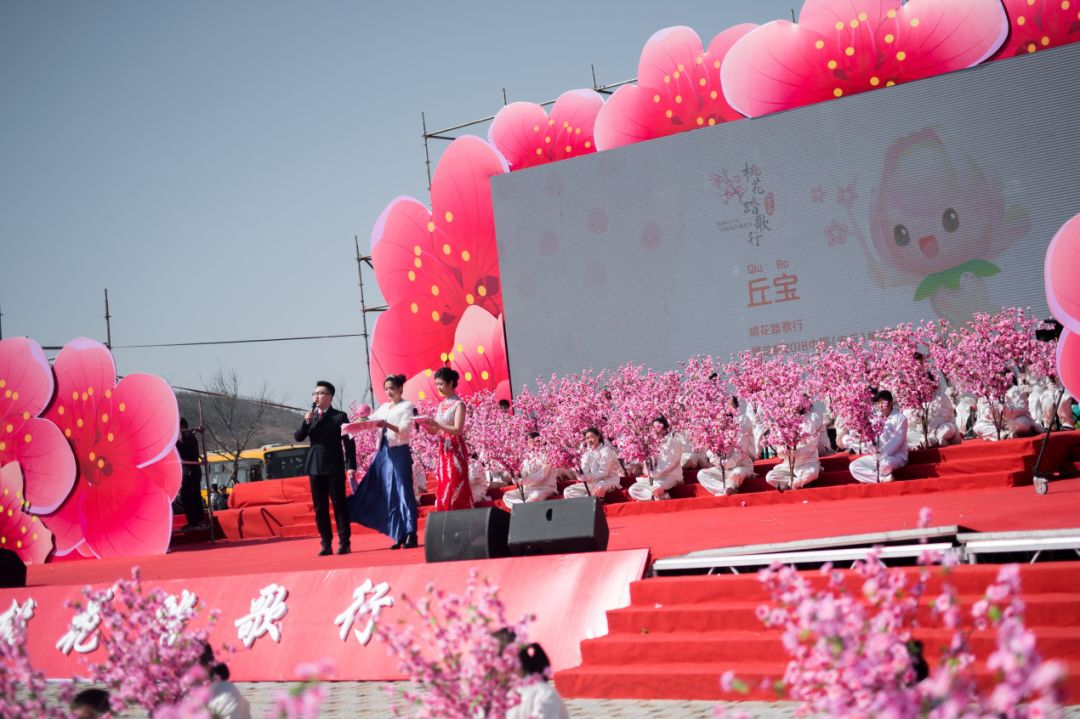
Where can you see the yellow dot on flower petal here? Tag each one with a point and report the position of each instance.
(831, 64)
(675, 74)
(667, 79)
(469, 299)
(60, 410)
(837, 92)
(414, 307)
(435, 315)
(104, 417)
(914, 22)
(10, 428)
(699, 59)
(1021, 20)
(668, 114)
(22, 529)
(1045, 41)
(819, 44)
(34, 536)
(678, 99)
(656, 98)
(566, 125)
(442, 356)
(449, 216)
(422, 394)
(839, 24)
(889, 37)
(479, 349)
(901, 55)
(84, 396)
(1031, 47)
(93, 456)
(412, 276)
(427, 372)
(26, 415)
(702, 82)
(700, 121)
(450, 357)
(1064, 4)
(90, 391)
(712, 121)
(863, 17)
(875, 81)
(713, 95)
(79, 422)
(3, 540)
(588, 144)
(682, 68)
(19, 542)
(416, 248)
(67, 432)
(536, 128)
(435, 290)
(417, 262)
(75, 395)
(3, 446)
(122, 407)
(568, 149)
(3, 383)
(110, 436)
(101, 464)
(854, 22)
(1031, 2)
(465, 256)
(891, 14)
(108, 393)
(849, 51)
(484, 375)
(468, 376)
(15, 394)
(481, 290)
(716, 64)
(550, 123)
(547, 140)
(890, 83)
(446, 248)
(539, 151)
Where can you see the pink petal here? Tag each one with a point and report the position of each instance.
(403, 342)
(143, 411)
(518, 132)
(65, 523)
(165, 474)
(1038, 26)
(21, 532)
(480, 352)
(126, 518)
(1061, 270)
(1068, 361)
(84, 366)
(420, 388)
(26, 381)
(47, 463)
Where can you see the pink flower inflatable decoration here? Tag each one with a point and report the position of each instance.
(123, 436)
(478, 354)
(1039, 24)
(844, 47)
(678, 89)
(432, 265)
(20, 531)
(527, 137)
(45, 461)
(1061, 269)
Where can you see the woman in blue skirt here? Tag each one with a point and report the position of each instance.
(384, 499)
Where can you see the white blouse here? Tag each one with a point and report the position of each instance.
(401, 416)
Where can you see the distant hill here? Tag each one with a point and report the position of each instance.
(276, 425)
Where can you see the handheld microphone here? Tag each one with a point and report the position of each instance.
(314, 406)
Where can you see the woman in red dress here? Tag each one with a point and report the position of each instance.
(449, 422)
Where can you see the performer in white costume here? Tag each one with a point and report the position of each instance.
(692, 458)
(737, 467)
(1016, 422)
(667, 465)
(600, 468)
(478, 479)
(538, 478)
(807, 466)
(891, 452)
(941, 429)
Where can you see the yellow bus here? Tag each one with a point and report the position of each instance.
(281, 461)
(249, 468)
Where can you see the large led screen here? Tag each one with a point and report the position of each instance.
(933, 199)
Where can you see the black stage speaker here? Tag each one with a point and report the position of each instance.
(466, 534)
(12, 569)
(558, 526)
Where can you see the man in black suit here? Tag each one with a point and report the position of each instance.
(326, 462)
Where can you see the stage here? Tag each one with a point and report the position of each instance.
(591, 599)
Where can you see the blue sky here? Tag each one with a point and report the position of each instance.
(210, 162)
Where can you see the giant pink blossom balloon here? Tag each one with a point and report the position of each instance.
(432, 265)
(1036, 25)
(20, 531)
(1061, 270)
(678, 89)
(45, 461)
(526, 136)
(123, 436)
(478, 354)
(844, 47)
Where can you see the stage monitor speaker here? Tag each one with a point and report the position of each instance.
(466, 534)
(12, 569)
(559, 526)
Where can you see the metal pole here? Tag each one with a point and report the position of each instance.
(427, 155)
(1, 323)
(363, 314)
(108, 324)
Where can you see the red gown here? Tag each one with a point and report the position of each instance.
(453, 490)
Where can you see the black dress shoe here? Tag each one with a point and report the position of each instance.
(343, 549)
(398, 544)
(325, 552)
(410, 541)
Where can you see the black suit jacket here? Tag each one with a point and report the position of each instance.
(330, 453)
